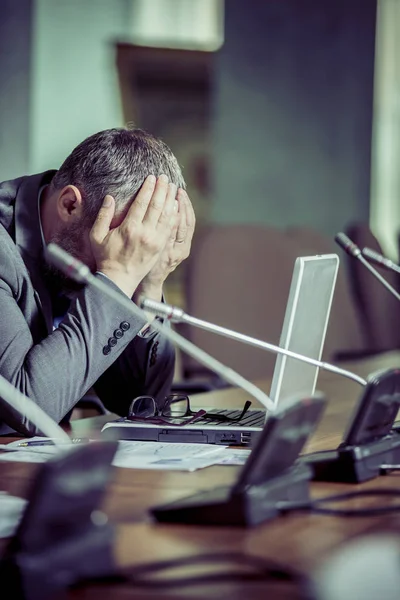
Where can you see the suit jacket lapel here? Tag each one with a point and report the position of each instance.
(29, 240)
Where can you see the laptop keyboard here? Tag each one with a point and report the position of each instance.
(253, 418)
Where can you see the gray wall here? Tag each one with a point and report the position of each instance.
(75, 86)
(293, 101)
(58, 78)
(15, 77)
(293, 112)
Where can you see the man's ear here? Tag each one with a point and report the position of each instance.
(69, 204)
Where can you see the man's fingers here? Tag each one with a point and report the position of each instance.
(169, 213)
(182, 229)
(140, 205)
(189, 212)
(190, 215)
(174, 231)
(101, 226)
(157, 202)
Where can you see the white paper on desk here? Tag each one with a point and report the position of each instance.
(11, 510)
(233, 457)
(130, 454)
(30, 455)
(166, 456)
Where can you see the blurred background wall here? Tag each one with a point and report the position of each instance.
(15, 76)
(58, 78)
(294, 112)
(74, 89)
(385, 173)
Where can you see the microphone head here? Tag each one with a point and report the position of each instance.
(377, 258)
(156, 308)
(67, 264)
(380, 260)
(161, 309)
(373, 256)
(348, 246)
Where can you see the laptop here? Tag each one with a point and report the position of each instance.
(304, 329)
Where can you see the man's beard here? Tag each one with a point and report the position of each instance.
(69, 239)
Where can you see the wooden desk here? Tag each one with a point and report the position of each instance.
(299, 540)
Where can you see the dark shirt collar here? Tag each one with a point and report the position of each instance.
(28, 237)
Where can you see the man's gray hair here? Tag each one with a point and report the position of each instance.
(116, 161)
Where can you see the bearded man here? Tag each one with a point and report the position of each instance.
(118, 203)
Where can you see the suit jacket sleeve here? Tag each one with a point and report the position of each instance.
(154, 361)
(97, 341)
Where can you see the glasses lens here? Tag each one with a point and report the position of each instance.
(143, 406)
(176, 406)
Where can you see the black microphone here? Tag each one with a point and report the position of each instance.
(348, 246)
(177, 315)
(380, 260)
(353, 250)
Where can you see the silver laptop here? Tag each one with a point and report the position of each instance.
(304, 329)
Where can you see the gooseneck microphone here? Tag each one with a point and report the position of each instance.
(353, 250)
(380, 260)
(177, 315)
(78, 271)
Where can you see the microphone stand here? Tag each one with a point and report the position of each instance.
(177, 315)
(353, 250)
(371, 440)
(63, 538)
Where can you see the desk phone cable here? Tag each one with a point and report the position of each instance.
(253, 569)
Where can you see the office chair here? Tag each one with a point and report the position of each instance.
(237, 276)
(344, 338)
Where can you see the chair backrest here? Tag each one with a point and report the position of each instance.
(379, 310)
(238, 276)
(344, 335)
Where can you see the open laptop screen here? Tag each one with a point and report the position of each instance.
(305, 324)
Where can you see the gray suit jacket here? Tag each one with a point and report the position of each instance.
(56, 368)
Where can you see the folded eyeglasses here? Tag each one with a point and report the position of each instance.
(174, 410)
